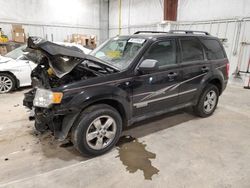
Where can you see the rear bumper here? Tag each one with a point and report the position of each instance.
(224, 85)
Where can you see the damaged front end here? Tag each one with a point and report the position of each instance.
(58, 67)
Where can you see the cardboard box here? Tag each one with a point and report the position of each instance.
(84, 40)
(18, 34)
(92, 42)
(80, 39)
(3, 50)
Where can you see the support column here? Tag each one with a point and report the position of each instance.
(170, 10)
(104, 20)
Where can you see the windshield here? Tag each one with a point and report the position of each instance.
(14, 54)
(119, 51)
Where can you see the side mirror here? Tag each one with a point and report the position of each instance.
(148, 65)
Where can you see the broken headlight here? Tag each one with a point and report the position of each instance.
(44, 98)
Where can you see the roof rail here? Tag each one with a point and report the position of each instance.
(188, 32)
(138, 32)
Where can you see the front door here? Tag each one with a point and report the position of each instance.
(157, 91)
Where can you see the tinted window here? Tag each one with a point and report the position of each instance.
(213, 49)
(164, 52)
(191, 50)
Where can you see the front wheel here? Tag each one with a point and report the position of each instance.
(207, 102)
(97, 130)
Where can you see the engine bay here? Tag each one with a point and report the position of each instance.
(43, 75)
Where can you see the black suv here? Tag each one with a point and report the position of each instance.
(91, 98)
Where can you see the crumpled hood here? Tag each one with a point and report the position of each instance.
(4, 59)
(62, 59)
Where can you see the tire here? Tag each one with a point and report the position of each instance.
(7, 83)
(206, 106)
(89, 135)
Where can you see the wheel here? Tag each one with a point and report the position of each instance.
(7, 83)
(207, 102)
(97, 130)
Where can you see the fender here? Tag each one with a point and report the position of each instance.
(206, 79)
(91, 95)
(85, 98)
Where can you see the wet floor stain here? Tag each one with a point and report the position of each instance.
(134, 156)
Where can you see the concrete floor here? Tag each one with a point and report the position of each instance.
(187, 151)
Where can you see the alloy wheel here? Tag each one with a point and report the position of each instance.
(210, 101)
(5, 84)
(101, 132)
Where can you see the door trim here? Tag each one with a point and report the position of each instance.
(145, 103)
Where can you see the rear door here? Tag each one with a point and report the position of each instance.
(216, 55)
(157, 91)
(195, 67)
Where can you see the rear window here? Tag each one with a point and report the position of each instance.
(213, 49)
(191, 50)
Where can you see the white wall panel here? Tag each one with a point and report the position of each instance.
(51, 18)
(135, 15)
(196, 10)
(69, 12)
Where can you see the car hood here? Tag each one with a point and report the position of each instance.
(4, 59)
(62, 59)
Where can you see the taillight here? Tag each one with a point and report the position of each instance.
(227, 71)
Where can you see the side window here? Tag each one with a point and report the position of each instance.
(213, 49)
(191, 50)
(164, 52)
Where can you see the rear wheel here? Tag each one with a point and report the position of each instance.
(7, 83)
(97, 130)
(207, 102)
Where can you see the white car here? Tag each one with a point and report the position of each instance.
(15, 69)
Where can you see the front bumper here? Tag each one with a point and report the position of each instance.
(28, 98)
(58, 120)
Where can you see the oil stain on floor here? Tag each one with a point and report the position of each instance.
(134, 156)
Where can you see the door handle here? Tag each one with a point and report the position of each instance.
(205, 69)
(172, 74)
